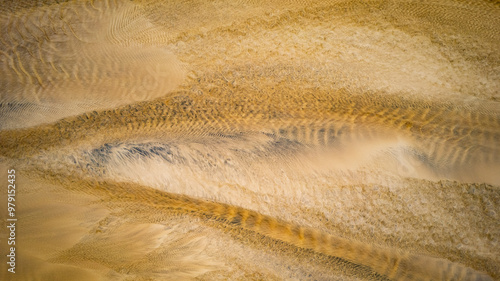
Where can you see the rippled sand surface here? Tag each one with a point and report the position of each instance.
(251, 140)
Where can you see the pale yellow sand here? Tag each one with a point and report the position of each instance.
(261, 140)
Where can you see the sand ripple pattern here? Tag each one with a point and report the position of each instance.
(223, 140)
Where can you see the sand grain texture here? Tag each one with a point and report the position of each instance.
(252, 140)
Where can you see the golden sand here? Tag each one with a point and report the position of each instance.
(252, 140)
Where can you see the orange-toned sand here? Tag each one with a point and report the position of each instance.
(252, 140)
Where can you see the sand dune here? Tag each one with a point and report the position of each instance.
(235, 140)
